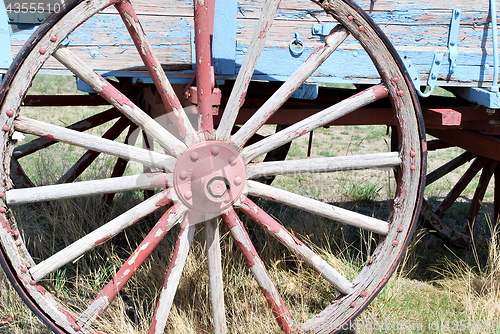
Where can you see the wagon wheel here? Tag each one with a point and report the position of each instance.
(480, 164)
(205, 175)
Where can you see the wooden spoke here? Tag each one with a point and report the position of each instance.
(119, 101)
(452, 196)
(87, 188)
(108, 294)
(315, 121)
(319, 208)
(259, 271)
(477, 199)
(81, 165)
(173, 276)
(94, 143)
(259, 118)
(100, 235)
(496, 196)
(216, 285)
(173, 107)
(121, 164)
(18, 175)
(324, 165)
(297, 247)
(448, 167)
(83, 125)
(237, 96)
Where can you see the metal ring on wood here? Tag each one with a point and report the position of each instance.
(297, 46)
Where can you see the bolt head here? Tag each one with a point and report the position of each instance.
(217, 188)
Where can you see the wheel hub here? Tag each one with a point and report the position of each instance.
(209, 176)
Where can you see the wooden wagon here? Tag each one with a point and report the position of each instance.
(214, 93)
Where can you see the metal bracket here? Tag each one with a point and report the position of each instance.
(322, 30)
(453, 38)
(431, 80)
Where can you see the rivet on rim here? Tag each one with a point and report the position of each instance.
(361, 28)
(9, 112)
(350, 18)
(370, 261)
(5, 128)
(395, 243)
(401, 229)
(53, 38)
(42, 51)
(413, 167)
(400, 92)
(352, 305)
(2, 194)
(363, 294)
(3, 209)
(413, 153)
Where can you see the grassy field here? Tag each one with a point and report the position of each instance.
(437, 288)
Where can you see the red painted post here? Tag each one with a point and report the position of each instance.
(204, 11)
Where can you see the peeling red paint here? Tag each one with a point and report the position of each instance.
(166, 200)
(280, 312)
(71, 319)
(103, 240)
(51, 137)
(41, 289)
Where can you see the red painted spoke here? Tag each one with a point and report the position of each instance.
(477, 199)
(81, 165)
(247, 69)
(259, 118)
(204, 30)
(108, 294)
(173, 276)
(452, 196)
(101, 235)
(119, 101)
(315, 121)
(173, 107)
(83, 125)
(259, 271)
(296, 246)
